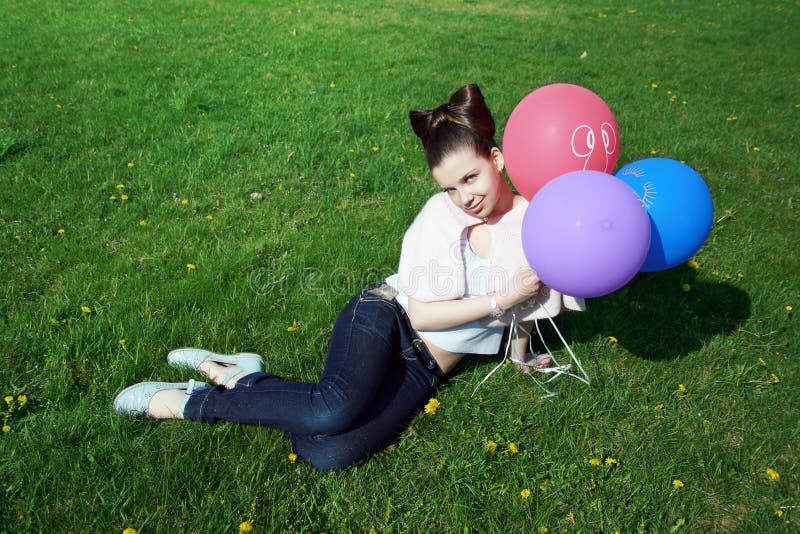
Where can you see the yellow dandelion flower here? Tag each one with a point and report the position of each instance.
(432, 406)
(740, 276)
(571, 517)
(779, 513)
(775, 378)
(22, 398)
(332, 84)
(686, 288)
(645, 407)
(612, 339)
(112, 198)
(86, 309)
(731, 119)
(761, 362)
(490, 446)
(292, 457)
(542, 530)
(209, 217)
(677, 483)
(122, 342)
(184, 201)
(245, 526)
(715, 273)
(352, 175)
(595, 462)
(727, 276)
(681, 388)
(60, 230)
(191, 266)
(513, 448)
(658, 407)
(756, 149)
(123, 197)
(788, 308)
(131, 164)
(653, 152)
(525, 493)
(294, 327)
(120, 186)
(773, 474)
(654, 85)
(59, 106)
(412, 431)
(6, 428)
(632, 11)
(142, 223)
(376, 148)
(9, 399)
(130, 531)
(692, 264)
(611, 461)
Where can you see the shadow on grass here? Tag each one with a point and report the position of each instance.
(11, 146)
(653, 317)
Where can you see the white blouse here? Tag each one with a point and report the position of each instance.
(469, 338)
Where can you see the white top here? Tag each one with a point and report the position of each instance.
(469, 338)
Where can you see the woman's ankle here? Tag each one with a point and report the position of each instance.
(167, 404)
(220, 373)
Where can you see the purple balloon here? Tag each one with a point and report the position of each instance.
(586, 233)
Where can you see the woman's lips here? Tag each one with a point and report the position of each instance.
(477, 208)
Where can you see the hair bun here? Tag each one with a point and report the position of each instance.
(466, 108)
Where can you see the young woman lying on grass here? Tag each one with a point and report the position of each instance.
(461, 268)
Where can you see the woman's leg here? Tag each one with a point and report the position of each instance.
(403, 394)
(363, 342)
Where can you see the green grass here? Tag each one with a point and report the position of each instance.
(212, 101)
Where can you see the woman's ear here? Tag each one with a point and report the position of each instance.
(498, 159)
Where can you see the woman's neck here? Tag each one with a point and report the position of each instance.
(505, 204)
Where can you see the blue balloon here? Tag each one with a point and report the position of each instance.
(679, 205)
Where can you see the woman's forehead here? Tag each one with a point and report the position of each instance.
(456, 166)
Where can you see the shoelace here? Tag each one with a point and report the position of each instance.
(556, 369)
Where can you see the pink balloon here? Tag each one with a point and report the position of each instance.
(586, 233)
(557, 129)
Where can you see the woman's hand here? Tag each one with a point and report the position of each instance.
(524, 285)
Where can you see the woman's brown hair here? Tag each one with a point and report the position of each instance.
(463, 122)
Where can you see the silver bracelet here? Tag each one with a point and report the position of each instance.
(496, 311)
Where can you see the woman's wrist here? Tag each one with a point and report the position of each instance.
(495, 311)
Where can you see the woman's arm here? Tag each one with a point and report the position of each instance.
(446, 313)
(449, 313)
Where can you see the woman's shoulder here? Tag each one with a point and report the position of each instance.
(520, 203)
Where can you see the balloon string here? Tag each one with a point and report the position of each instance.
(556, 370)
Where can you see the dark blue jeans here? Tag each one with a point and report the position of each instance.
(377, 377)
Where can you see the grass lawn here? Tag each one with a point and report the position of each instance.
(133, 136)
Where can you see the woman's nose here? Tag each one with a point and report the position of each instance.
(466, 197)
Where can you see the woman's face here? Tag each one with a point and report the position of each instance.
(475, 183)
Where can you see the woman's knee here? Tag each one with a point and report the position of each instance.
(328, 454)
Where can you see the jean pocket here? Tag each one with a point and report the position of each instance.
(409, 354)
(382, 290)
